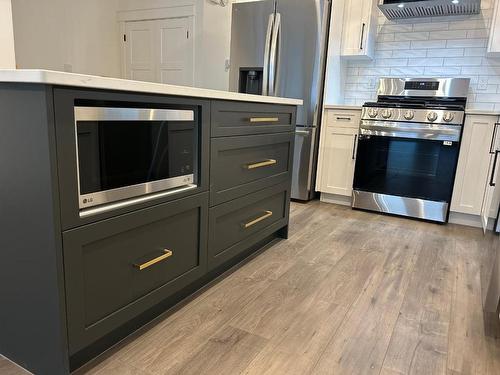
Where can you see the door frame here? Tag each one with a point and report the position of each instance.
(151, 15)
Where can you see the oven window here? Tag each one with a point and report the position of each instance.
(117, 154)
(411, 168)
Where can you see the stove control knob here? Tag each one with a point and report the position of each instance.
(408, 115)
(373, 112)
(448, 116)
(387, 113)
(432, 116)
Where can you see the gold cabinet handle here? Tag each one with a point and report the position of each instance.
(258, 220)
(166, 254)
(260, 164)
(254, 120)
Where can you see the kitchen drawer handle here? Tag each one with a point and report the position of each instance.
(344, 118)
(166, 254)
(263, 119)
(260, 164)
(258, 220)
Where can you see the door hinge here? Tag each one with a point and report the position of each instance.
(124, 37)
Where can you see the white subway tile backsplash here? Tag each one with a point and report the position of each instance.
(447, 52)
(418, 35)
(462, 61)
(430, 47)
(409, 53)
(449, 34)
(430, 26)
(427, 61)
(428, 44)
(475, 51)
(467, 43)
(392, 45)
(391, 62)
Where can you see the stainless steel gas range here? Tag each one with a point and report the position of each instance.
(408, 147)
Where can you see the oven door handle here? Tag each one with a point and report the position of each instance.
(412, 130)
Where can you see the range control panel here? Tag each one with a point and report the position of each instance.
(422, 85)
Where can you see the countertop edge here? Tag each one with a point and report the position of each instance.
(49, 77)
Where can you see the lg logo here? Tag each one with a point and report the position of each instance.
(88, 200)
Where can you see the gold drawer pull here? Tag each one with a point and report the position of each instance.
(258, 220)
(263, 119)
(143, 266)
(260, 164)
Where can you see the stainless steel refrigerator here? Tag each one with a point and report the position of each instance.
(278, 48)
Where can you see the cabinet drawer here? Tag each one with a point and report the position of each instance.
(118, 268)
(243, 165)
(237, 118)
(343, 119)
(237, 225)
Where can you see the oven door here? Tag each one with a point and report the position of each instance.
(407, 160)
(124, 153)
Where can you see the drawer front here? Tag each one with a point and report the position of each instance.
(343, 118)
(120, 267)
(237, 225)
(243, 165)
(237, 118)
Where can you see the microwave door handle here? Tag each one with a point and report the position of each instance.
(267, 47)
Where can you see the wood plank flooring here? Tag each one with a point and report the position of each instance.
(350, 292)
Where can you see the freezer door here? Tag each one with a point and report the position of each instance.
(303, 163)
(252, 24)
(300, 50)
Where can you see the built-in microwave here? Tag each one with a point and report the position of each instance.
(131, 153)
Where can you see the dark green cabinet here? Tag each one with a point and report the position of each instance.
(242, 165)
(237, 225)
(237, 118)
(118, 268)
(80, 283)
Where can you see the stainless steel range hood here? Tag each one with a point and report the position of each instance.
(394, 9)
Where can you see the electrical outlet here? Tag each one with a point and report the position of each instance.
(482, 84)
(68, 68)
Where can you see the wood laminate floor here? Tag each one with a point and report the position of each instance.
(350, 292)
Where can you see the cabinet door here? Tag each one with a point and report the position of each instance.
(473, 165)
(337, 159)
(494, 42)
(358, 35)
(489, 194)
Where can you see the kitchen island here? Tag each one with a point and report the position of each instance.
(89, 257)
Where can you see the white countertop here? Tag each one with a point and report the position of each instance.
(50, 77)
(468, 111)
(481, 112)
(343, 106)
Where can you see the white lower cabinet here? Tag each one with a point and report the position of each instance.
(337, 154)
(473, 192)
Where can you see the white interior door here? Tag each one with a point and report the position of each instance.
(176, 51)
(140, 53)
(160, 51)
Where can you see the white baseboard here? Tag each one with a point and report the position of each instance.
(336, 199)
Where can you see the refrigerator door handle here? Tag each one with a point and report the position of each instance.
(274, 55)
(267, 47)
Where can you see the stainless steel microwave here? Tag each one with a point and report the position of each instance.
(131, 153)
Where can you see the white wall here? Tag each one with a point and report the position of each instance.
(7, 55)
(431, 47)
(71, 35)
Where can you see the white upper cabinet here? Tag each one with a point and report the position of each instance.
(494, 42)
(360, 29)
(474, 165)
